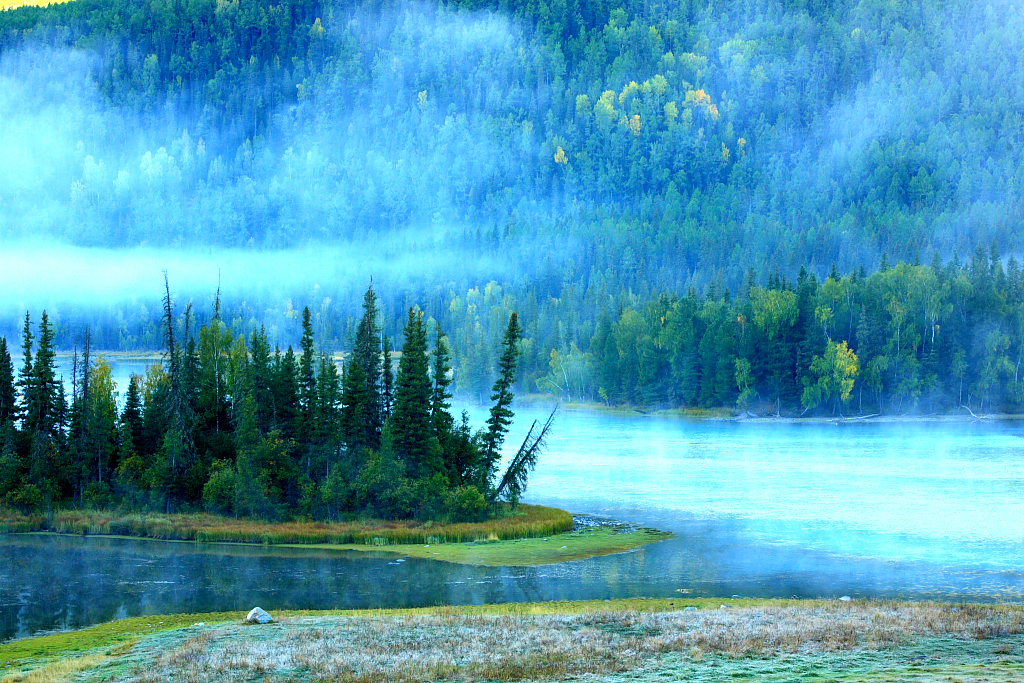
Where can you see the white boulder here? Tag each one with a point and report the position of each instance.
(258, 616)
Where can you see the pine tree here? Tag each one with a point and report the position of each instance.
(307, 377)
(260, 381)
(440, 408)
(366, 352)
(215, 341)
(8, 394)
(356, 427)
(410, 425)
(328, 414)
(365, 390)
(44, 406)
(286, 391)
(25, 376)
(501, 413)
(131, 416)
(387, 380)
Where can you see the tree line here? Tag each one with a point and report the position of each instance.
(908, 338)
(231, 426)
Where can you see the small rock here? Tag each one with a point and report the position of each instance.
(845, 598)
(691, 608)
(724, 607)
(258, 616)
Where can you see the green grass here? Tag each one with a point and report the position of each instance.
(525, 552)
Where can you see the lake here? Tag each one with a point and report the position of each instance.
(915, 510)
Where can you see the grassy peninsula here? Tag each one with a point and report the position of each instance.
(528, 535)
(637, 640)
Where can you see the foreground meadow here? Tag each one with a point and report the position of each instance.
(636, 640)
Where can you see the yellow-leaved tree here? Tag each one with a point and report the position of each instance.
(836, 373)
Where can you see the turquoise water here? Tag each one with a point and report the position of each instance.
(916, 510)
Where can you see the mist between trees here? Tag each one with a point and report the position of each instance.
(611, 170)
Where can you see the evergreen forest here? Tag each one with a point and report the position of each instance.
(227, 425)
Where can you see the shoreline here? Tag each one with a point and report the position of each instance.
(528, 544)
(643, 639)
(716, 414)
(731, 415)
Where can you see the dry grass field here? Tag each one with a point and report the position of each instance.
(770, 641)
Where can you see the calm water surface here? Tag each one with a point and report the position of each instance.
(912, 510)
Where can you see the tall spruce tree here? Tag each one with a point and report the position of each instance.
(387, 380)
(501, 412)
(25, 376)
(131, 416)
(8, 394)
(286, 392)
(328, 415)
(261, 380)
(440, 407)
(363, 398)
(215, 341)
(410, 425)
(45, 404)
(307, 377)
(367, 353)
(305, 432)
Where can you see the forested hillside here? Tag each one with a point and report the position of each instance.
(642, 181)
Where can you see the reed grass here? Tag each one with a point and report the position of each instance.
(527, 521)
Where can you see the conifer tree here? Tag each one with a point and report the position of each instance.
(366, 352)
(440, 408)
(44, 402)
(307, 376)
(131, 415)
(215, 341)
(364, 403)
(286, 391)
(328, 414)
(25, 376)
(305, 432)
(410, 425)
(501, 412)
(356, 425)
(8, 395)
(387, 380)
(261, 380)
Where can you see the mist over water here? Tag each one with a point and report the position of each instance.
(910, 510)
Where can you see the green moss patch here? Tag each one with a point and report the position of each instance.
(523, 552)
